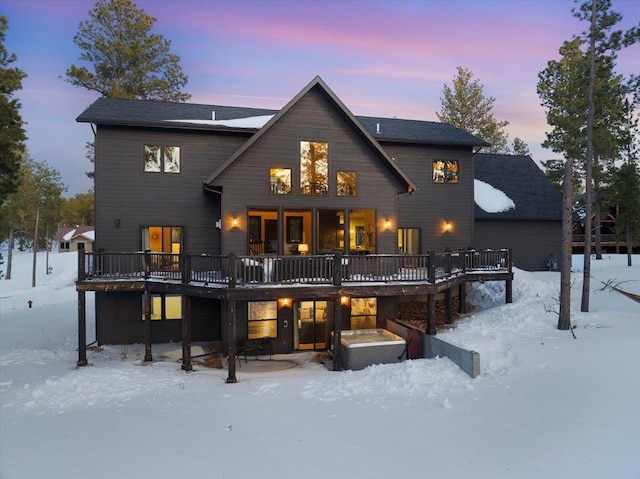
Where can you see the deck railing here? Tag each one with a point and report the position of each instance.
(235, 270)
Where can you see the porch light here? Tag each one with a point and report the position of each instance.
(234, 221)
(387, 224)
(448, 227)
(344, 300)
(285, 302)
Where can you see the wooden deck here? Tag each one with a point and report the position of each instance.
(266, 277)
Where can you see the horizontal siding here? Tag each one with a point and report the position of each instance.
(125, 192)
(120, 320)
(532, 242)
(246, 183)
(433, 204)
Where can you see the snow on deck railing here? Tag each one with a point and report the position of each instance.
(289, 269)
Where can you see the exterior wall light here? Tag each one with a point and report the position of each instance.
(345, 300)
(285, 302)
(387, 224)
(234, 221)
(448, 227)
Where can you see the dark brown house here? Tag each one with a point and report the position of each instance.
(285, 224)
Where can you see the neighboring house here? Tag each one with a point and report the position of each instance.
(78, 238)
(517, 206)
(230, 201)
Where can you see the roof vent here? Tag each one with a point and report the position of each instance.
(213, 115)
(378, 128)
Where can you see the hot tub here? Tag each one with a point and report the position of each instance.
(363, 347)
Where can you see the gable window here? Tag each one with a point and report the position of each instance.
(346, 183)
(161, 159)
(445, 171)
(314, 168)
(280, 181)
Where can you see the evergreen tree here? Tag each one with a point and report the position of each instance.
(79, 210)
(520, 147)
(12, 134)
(127, 60)
(31, 214)
(465, 106)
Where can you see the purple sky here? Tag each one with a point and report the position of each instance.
(382, 58)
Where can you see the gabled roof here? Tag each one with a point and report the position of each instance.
(318, 83)
(535, 197)
(71, 233)
(162, 114)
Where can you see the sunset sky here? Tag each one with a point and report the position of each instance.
(382, 58)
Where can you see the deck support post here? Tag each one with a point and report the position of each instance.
(508, 287)
(462, 298)
(447, 306)
(147, 326)
(431, 314)
(186, 334)
(231, 338)
(82, 330)
(337, 333)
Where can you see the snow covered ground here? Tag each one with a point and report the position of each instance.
(545, 405)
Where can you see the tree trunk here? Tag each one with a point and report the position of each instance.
(35, 249)
(597, 226)
(47, 247)
(628, 239)
(564, 318)
(586, 274)
(9, 253)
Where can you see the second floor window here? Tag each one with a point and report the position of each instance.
(280, 181)
(314, 168)
(346, 183)
(161, 159)
(445, 171)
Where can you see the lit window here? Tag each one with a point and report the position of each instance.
(363, 313)
(280, 181)
(161, 159)
(165, 306)
(445, 171)
(314, 168)
(263, 319)
(346, 183)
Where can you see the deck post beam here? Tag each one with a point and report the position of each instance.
(82, 329)
(231, 356)
(147, 326)
(337, 332)
(186, 334)
(447, 306)
(462, 297)
(509, 282)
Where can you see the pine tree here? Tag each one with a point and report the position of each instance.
(12, 134)
(127, 60)
(465, 106)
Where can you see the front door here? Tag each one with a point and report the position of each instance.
(313, 322)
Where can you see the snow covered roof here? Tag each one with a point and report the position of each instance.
(514, 187)
(71, 233)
